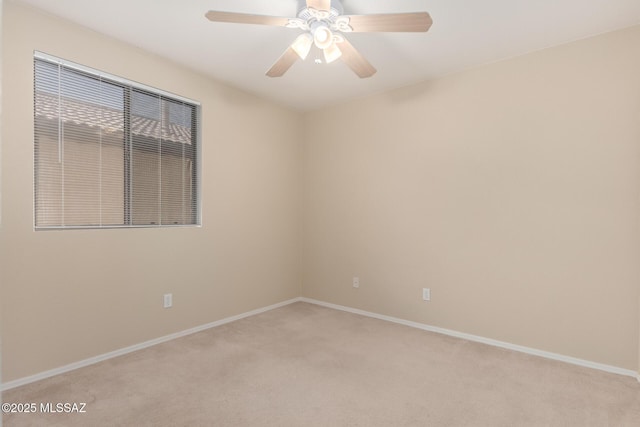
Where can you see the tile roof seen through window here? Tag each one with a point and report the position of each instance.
(107, 119)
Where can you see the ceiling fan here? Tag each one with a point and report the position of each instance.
(324, 24)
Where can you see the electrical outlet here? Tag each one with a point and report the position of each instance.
(356, 282)
(168, 300)
(426, 294)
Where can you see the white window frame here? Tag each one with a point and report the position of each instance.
(138, 86)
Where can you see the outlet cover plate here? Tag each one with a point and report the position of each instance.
(168, 300)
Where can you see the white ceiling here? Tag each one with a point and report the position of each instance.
(465, 33)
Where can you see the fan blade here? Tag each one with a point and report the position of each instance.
(319, 4)
(391, 22)
(355, 60)
(244, 18)
(288, 58)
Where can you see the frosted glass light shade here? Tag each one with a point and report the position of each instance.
(322, 37)
(302, 45)
(332, 53)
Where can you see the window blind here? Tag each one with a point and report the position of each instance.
(111, 153)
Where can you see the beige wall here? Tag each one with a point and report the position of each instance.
(511, 190)
(70, 295)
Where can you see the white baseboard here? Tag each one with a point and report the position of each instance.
(86, 362)
(489, 341)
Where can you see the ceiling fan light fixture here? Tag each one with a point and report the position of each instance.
(322, 37)
(324, 24)
(302, 45)
(332, 53)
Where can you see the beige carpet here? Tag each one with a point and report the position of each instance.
(305, 365)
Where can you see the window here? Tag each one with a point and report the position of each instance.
(111, 153)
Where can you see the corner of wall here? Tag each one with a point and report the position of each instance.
(1, 269)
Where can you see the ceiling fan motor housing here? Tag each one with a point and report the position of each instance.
(335, 11)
